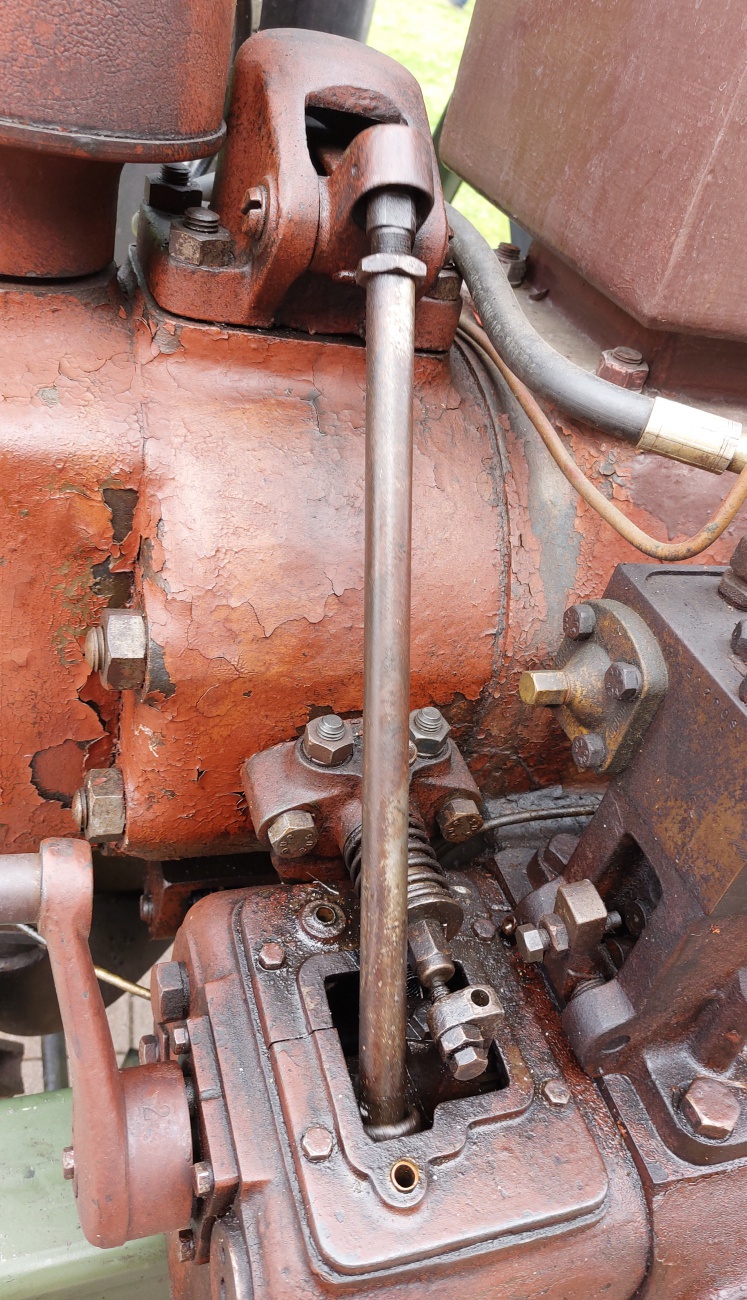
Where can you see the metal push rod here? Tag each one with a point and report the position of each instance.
(390, 274)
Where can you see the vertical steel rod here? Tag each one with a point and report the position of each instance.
(390, 308)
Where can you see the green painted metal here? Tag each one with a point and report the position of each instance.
(43, 1253)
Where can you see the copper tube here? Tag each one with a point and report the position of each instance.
(666, 551)
(390, 311)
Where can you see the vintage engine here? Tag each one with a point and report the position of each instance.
(435, 784)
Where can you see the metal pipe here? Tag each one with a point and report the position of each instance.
(54, 1062)
(390, 311)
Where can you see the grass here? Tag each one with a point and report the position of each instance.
(428, 36)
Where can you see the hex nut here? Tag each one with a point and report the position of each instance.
(556, 1092)
(624, 367)
(117, 649)
(271, 956)
(448, 286)
(317, 1143)
(711, 1108)
(531, 943)
(623, 681)
(98, 808)
(459, 819)
(293, 834)
(581, 909)
(477, 1004)
(169, 196)
(199, 247)
(544, 687)
(468, 1063)
(552, 926)
(68, 1163)
(203, 1181)
(179, 1040)
(149, 1050)
(484, 928)
(739, 640)
(429, 731)
(467, 1035)
(579, 622)
(588, 751)
(328, 740)
(169, 987)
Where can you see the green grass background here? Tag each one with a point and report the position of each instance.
(428, 36)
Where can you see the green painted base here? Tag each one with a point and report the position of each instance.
(43, 1252)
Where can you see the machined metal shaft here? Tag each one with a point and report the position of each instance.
(390, 310)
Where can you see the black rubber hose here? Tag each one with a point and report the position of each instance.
(578, 394)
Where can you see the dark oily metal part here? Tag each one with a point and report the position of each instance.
(390, 311)
(323, 919)
(171, 190)
(328, 740)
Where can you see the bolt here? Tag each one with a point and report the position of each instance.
(328, 740)
(117, 649)
(448, 286)
(468, 1062)
(589, 751)
(711, 1108)
(515, 266)
(292, 834)
(459, 820)
(149, 1050)
(556, 1092)
(628, 356)
(549, 688)
(271, 956)
(254, 208)
(429, 731)
(203, 1181)
(739, 640)
(185, 1247)
(483, 928)
(623, 681)
(170, 991)
(68, 1163)
(624, 367)
(203, 220)
(79, 809)
(147, 908)
(175, 173)
(635, 917)
(94, 648)
(317, 1143)
(179, 1040)
(508, 926)
(98, 808)
(532, 943)
(579, 622)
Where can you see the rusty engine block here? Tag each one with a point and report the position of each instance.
(351, 690)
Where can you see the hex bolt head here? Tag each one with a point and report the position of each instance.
(429, 731)
(179, 1040)
(531, 943)
(271, 956)
(739, 640)
(293, 834)
(328, 740)
(185, 1248)
(68, 1163)
(459, 819)
(623, 681)
(624, 367)
(149, 1050)
(117, 649)
(711, 1108)
(98, 808)
(203, 1181)
(588, 751)
(169, 988)
(484, 928)
(544, 687)
(199, 238)
(468, 1063)
(317, 1143)
(579, 622)
(556, 1092)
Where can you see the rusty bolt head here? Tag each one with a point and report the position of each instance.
(179, 1040)
(429, 731)
(317, 1143)
(292, 834)
(199, 238)
(271, 956)
(328, 740)
(448, 286)
(548, 688)
(624, 367)
(459, 820)
(483, 928)
(68, 1163)
(98, 808)
(739, 640)
(588, 751)
(556, 1092)
(531, 943)
(458, 1036)
(203, 1181)
(711, 1108)
(468, 1063)
(169, 987)
(149, 1050)
(623, 681)
(185, 1246)
(579, 622)
(117, 649)
(254, 208)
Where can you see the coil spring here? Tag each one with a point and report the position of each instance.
(424, 883)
